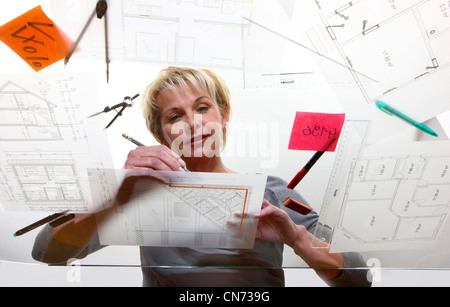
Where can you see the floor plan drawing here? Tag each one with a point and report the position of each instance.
(396, 200)
(43, 181)
(395, 42)
(190, 213)
(188, 32)
(215, 203)
(47, 144)
(203, 209)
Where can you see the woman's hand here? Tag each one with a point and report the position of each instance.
(276, 225)
(154, 157)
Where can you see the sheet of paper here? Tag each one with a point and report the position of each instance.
(397, 197)
(48, 143)
(402, 45)
(182, 209)
(275, 54)
(316, 131)
(182, 32)
(36, 39)
(395, 51)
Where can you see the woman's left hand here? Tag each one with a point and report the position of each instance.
(276, 225)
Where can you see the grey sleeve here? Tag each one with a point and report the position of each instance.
(355, 272)
(50, 251)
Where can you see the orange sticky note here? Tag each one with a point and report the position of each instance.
(316, 131)
(36, 39)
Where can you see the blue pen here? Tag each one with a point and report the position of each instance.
(392, 111)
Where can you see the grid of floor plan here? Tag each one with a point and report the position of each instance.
(192, 216)
(395, 201)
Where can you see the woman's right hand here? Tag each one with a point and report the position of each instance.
(158, 157)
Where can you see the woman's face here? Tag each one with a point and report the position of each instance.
(191, 121)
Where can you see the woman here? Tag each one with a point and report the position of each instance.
(187, 111)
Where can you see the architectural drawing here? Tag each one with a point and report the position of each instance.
(43, 181)
(396, 42)
(395, 200)
(187, 212)
(197, 215)
(215, 203)
(46, 143)
(187, 32)
(26, 116)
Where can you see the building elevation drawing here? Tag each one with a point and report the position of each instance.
(46, 149)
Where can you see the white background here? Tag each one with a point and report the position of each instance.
(275, 107)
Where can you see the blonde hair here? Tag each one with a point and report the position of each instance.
(202, 79)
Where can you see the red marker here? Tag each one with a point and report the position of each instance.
(305, 170)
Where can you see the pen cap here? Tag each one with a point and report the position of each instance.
(297, 206)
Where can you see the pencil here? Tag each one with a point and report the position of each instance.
(39, 223)
(140, 144)
(62, 220)
(132, 140)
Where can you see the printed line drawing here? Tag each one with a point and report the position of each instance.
(25, 115)
(43, 181)
(409, 200)
(395, 201)
(197, 216)
(216, 203)
(204, 210)
(399, 42)
(47, 142)
(203, 32)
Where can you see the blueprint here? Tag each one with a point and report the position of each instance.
(403, 45)
(47, 144)
(396, 197)
(183, 209)
(186, 32)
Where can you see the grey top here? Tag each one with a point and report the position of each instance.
(260, 266)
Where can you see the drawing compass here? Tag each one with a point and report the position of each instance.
(100, 11)
(127, 103)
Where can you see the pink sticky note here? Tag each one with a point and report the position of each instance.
(316, 131)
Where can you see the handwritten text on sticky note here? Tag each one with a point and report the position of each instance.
(36, 39)
(316, 131)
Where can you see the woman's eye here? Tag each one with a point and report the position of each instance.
(174, 118)
(203, 109)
